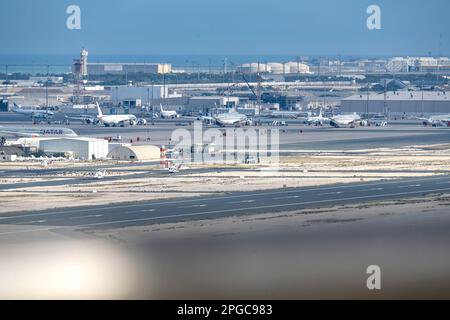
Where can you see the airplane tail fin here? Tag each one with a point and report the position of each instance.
(100, 113)
(161, 106)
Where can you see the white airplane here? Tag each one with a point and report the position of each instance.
(437, 121)
(288, 114)
(168, 114)
(33, 132)
(317, 120)
(33, 113)
(99, 175)
(347, 120)
(175, 168)
(115, 120)
(231, 118)
(85, 119)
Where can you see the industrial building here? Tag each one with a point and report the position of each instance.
(419, 64)
(135, 153)
(274, 68)
(78, 148)
(205, 104)
(124, 68)
(399, 103)
(9, 154)
(4, 105)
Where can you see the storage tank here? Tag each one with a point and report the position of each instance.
(296, 67)
(254, 67)
(276, 67)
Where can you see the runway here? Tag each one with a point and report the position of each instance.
(210, 207)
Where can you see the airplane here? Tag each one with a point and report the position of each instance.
(288, 114)
(168, 114)
(99, 175)
(85, 119)
(175, 168)
(231, 118)
(34, 132)
(347, 120)
(115, 119)
(33, 113)
(436, 121)
(317, 120)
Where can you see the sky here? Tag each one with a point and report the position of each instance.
(300, 27)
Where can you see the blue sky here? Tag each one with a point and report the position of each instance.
(309, 27)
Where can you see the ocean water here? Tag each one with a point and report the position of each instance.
(61, 63)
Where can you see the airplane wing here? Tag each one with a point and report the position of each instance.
(19, 134)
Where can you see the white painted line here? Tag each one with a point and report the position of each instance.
(283, 198)
(374, 189)
(225, 211)
(245, 201)
(194, 206)
(91, 216)
(410, 186)
(126, 206)
(147, 210)
(32, 222)
(329, 194)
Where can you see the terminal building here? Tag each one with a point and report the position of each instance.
(124, 68)
(399, 103)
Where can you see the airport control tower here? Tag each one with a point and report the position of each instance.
(80, 73)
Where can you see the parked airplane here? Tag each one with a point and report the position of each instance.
(32, 132)
(99, 175)
(317, 120)
(231, 118)
(437, 121)
(168, 114)
(347, 120)
(175, 168)
(288, 114)
(115, 119)
(85, 119)
(33, 113)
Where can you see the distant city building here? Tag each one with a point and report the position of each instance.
(144, 93)
(418, 64)
(124, 68)
(399, 103)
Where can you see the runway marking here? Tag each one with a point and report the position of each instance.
(91, 216)
(222, 211)
(447, 182)
(289, 197)
(32, 222)
(374, 189)
(245, 201)
(123, 206)
(329, 193)
(410, 186)
(193, 206)
(147, 210)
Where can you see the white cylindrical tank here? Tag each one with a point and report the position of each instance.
(276, 67)
(296, 67)
(254, 67)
